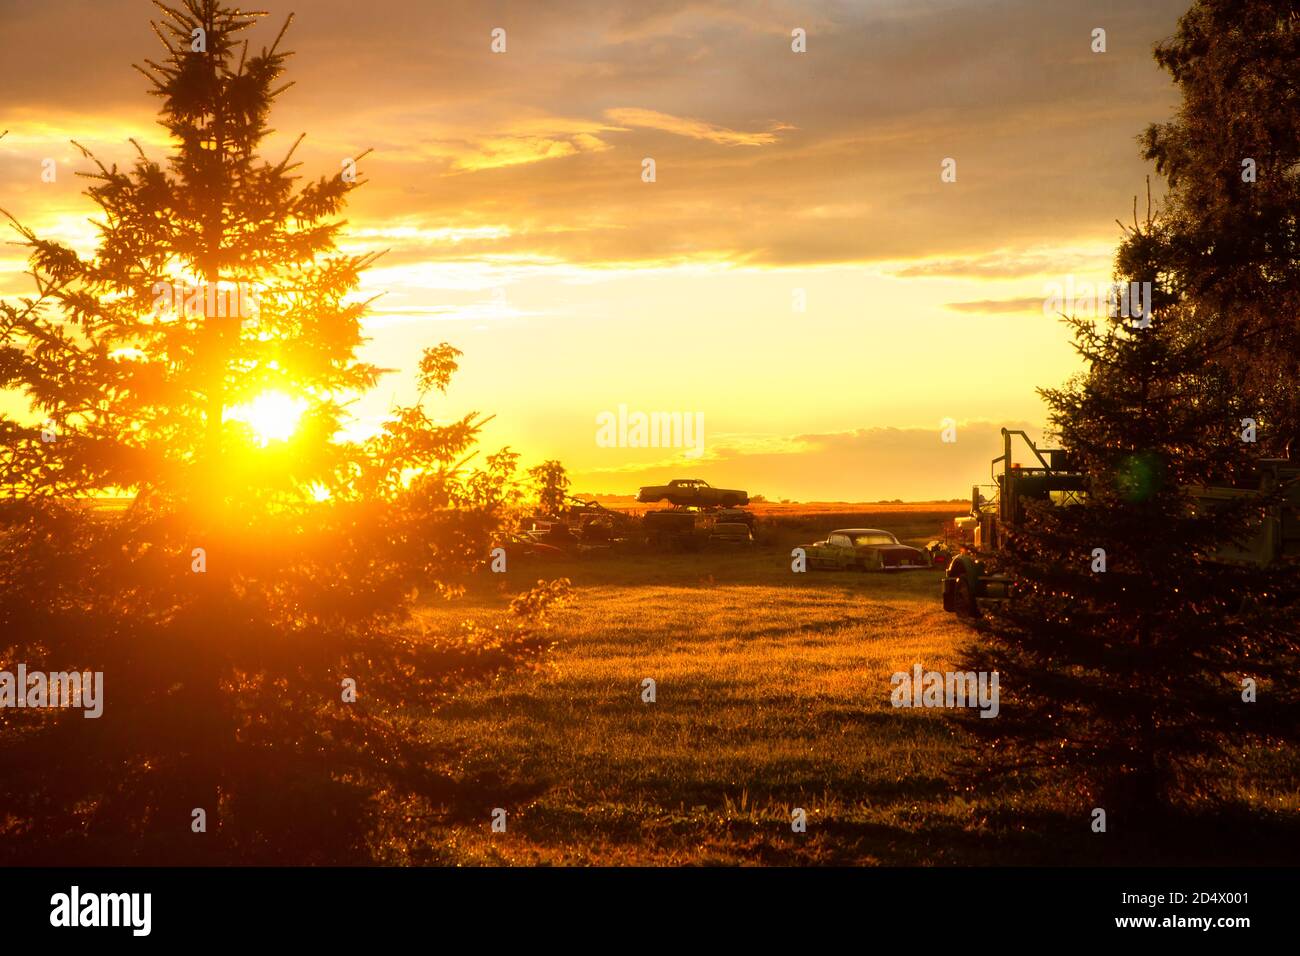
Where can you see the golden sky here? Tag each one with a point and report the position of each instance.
(508, 190)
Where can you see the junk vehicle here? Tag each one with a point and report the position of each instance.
(1051, 476)
(693, 492)
(731, 532)
(595, 523)
(684, 528)
(864, 549)
(696, 511)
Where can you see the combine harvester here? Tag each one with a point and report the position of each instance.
(1052, 477)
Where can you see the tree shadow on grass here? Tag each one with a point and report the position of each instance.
(1235, 837)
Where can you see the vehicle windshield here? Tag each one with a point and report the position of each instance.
(872, 538)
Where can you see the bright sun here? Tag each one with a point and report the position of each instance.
(273, 416)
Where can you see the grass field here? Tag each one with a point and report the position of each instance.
(772, 693)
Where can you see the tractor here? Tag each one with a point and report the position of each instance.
(1048, 474)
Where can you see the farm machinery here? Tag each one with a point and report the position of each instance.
(592, 521)
(1049, 477)
(1048, 474)
(582, 526)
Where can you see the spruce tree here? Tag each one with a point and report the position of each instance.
(246, 584)
(1229, 236)
(1123, 650)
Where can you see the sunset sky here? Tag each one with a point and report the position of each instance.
(508, 191)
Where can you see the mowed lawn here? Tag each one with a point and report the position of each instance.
(772, 693)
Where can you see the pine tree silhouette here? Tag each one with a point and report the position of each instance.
(244, 582)
(1123, 652)
(1228, 238)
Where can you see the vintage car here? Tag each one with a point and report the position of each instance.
(731, 532)
(686, 492)
(864, 549)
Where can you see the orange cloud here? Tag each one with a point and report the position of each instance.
(694, 128)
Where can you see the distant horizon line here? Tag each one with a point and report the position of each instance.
(632, 496)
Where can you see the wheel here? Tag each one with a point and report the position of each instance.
(965, 600)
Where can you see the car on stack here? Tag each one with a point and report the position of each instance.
(693, 493)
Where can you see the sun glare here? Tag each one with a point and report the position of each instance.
(273, 416)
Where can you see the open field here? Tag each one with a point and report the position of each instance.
(772, 693)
